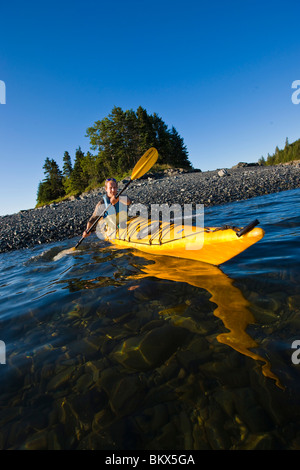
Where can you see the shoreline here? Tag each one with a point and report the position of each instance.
(67, 219)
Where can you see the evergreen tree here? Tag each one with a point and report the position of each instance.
(162, 139)
(44, 192)
(123, 136)
(52, 186)
(179, 150)
(146, 137)
(67, 166)
(78, 181)
(289, 153)
(90, 176)
(67, 171)
(119, 139)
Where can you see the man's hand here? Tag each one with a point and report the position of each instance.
(113, 200)
(86, 234)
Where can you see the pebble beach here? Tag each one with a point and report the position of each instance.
(67, 219)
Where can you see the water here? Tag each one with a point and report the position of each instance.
(112, 349)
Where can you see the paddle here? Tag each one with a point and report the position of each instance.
(142, 166)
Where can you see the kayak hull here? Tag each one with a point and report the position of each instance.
(209, 245)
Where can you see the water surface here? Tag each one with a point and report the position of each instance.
(115, 349)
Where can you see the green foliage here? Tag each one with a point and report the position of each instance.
(67, 167)
(78, 180)
(123, 136)
(262, 160)
(289, 153)
(52, 186)
(119, 140)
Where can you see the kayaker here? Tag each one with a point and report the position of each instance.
(111, 188)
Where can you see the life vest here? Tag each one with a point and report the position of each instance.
(113, 217)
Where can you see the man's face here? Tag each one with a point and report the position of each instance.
(111, 188)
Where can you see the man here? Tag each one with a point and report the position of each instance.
(119, 205)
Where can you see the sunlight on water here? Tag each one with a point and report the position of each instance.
(115, 349)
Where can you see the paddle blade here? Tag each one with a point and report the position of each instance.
(145, 163)
(63, 253)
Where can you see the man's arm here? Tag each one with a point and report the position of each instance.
(98, 210)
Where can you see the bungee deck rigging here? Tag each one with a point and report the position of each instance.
(214, 245)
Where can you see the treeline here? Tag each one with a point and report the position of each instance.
(287, 154)
(119, 140)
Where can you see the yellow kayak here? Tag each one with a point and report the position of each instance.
(213, 245)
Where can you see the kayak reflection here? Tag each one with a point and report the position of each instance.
(232, 307)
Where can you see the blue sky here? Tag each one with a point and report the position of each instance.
(220, 72)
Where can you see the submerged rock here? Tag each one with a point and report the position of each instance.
(151, 349)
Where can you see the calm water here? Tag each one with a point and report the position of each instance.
(109, 349)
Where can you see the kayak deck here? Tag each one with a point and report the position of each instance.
(213, 245)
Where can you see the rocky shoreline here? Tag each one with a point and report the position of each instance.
(67, 219)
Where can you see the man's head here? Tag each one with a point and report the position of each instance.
(111, 187)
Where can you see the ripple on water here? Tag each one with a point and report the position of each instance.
(109, 350)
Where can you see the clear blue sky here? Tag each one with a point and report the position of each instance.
(220, 72)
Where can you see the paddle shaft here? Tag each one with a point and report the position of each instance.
(101, 215)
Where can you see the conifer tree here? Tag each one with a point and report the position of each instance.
(178, 150)
(146, 137)
(119, 141)
(67, 166)
(77, 178)
(123, 136)
(288, 153)
(52, 186)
